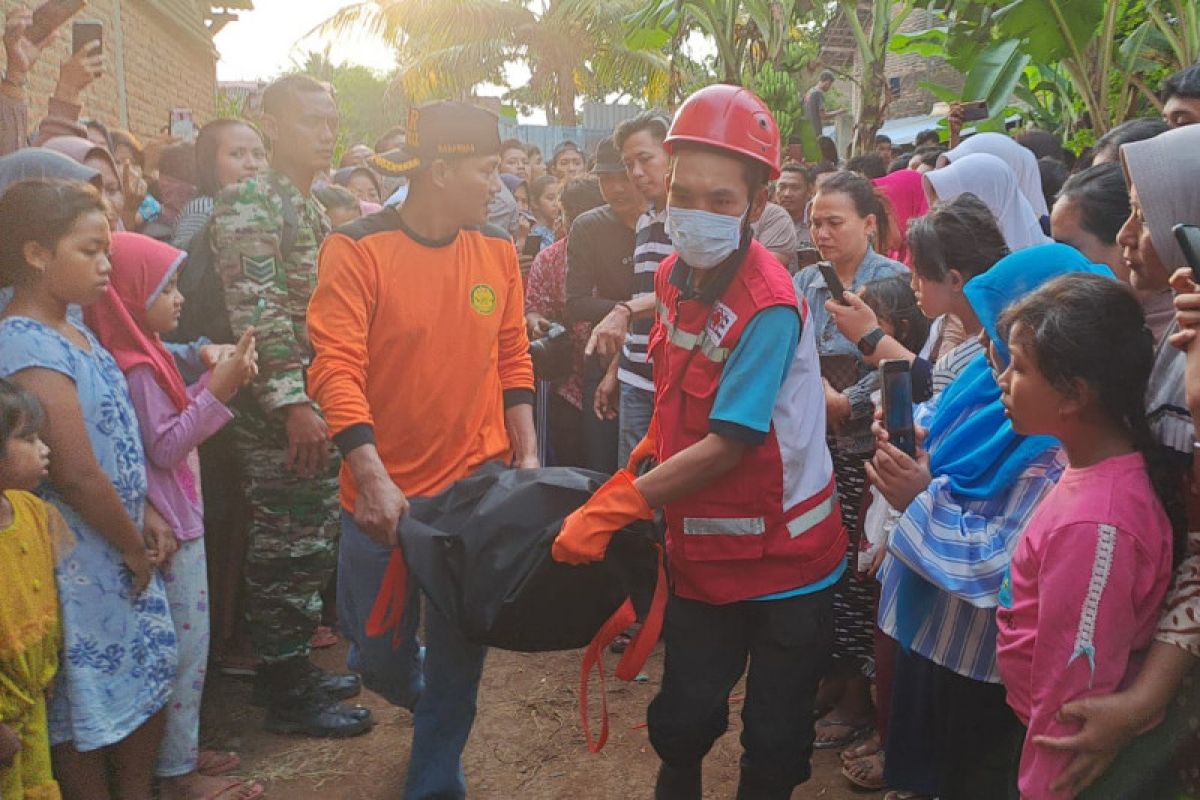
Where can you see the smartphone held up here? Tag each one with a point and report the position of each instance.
(897, 404)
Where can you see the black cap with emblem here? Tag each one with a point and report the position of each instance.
(444, 129)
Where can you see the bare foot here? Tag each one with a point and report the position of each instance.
(217, 762)
(202, 787)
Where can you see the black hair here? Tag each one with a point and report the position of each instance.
(893, 299)
(799, 169)
(384, 143)
(1185, 83)
(352, 171)
(1100, 194)
(20, 413)
(1088, 328)
(928, 138)
(870, 165)
(828, 148)
(580, 195)
(867, 200)
(882, 139)
(530, 149)
(281, 94)
(928, 154)
(538, 187)
(512, 144)
(961, 235)
(1042, 144)
(1054, 174)
(826, 75)
(650, 121)
(208, 142)
(41, 211)
(898, 163)
(334, 196)
(1133, 130)
(119, 137)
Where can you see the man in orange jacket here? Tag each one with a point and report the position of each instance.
(744, 478)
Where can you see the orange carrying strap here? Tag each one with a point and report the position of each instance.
(388, 610)
(632, 660)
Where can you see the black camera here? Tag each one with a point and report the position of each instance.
(551, 354)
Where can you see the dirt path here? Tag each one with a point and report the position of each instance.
(527, 742)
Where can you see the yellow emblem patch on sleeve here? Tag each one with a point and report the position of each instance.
(483, 299)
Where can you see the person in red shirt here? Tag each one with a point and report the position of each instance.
(422, 369)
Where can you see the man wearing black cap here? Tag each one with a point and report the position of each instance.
(422, 369)
(600, 275)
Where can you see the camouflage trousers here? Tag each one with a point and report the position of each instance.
(292, 539)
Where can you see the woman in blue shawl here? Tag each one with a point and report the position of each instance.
(951, 733)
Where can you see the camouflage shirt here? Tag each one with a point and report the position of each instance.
(266, 287)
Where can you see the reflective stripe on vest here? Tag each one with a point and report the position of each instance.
(811, 518)
(689, 341)
(724, 526)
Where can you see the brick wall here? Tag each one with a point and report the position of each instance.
(912, 69)
(165, 66)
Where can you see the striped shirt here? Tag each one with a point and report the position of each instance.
(651, 246)
(962, 547)
(192, 219)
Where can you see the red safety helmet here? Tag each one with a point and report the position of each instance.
(728, 118)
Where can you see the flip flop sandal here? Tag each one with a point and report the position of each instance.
(215, 763)
(870, 780)
(233, 791)
(856, 732)
(849, 753)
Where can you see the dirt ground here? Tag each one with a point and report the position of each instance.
(527, 741)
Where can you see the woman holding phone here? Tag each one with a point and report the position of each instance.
(848, 219)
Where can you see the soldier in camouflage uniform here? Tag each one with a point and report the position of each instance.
(266, 233)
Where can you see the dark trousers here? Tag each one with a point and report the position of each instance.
(949, 735)
(788, 644)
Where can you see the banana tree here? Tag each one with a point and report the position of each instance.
(873, 41)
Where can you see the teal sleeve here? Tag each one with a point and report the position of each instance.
(754, 374)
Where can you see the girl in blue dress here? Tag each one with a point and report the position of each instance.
(119, 642)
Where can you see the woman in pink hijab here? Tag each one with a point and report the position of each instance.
(907, 194)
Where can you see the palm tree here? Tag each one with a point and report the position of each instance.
(571, 47)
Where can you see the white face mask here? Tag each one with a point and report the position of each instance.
(704, 239)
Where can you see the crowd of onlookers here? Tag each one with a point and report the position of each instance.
(153, 341)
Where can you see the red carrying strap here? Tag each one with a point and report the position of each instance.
(388, 609)
(632, 660)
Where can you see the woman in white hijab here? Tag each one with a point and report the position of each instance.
(1019, 159)
(990, 179)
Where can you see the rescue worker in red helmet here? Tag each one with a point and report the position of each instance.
(745, 480)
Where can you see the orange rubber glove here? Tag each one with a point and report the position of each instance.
(585, 534)
(645, 448)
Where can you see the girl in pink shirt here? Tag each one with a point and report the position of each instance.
(1087, 579)
(142, 302)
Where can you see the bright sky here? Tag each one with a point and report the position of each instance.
(274, 36)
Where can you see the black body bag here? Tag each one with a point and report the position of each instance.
(480, 552)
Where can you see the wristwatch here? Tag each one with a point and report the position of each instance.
(868, 343)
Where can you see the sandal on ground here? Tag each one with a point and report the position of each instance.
(867, 747)
(324, 637)
(856, 732)
(866, 772)
(215, 763)
(231, 789)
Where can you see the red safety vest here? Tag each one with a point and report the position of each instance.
(772, 523)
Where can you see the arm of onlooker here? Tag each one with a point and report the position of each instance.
(1093, 578)
(981, 533)
(20, 55)
(608, 336)
(516, 371)
(1110, 722)
(582, 277)
(168, 434)
(608, 398)
(77, 72)
(75, 473)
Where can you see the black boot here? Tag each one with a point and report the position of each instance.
(677, 783)
(290, 675)
(297, 702)
(751, 789)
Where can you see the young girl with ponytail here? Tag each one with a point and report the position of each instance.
(1087, 579)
